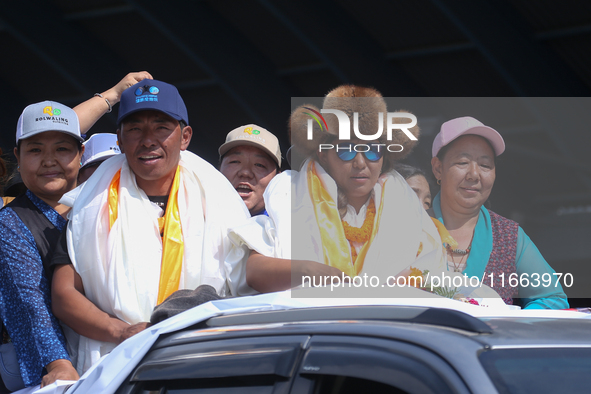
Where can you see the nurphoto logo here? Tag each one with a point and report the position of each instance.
(345, 129)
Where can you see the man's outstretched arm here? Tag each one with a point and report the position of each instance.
(71, 306)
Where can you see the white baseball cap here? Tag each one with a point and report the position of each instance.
(256, 136)
(47, 116)
(99, 147)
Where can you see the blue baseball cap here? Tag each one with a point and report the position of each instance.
(151, 94)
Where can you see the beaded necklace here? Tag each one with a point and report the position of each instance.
(462, 252)
(360, 234)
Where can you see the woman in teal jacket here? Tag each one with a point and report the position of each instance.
(490, 247)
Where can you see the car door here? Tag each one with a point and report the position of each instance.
(255, 365)
(352, 364)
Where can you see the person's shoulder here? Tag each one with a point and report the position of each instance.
(281, 183)
(283, 177)
(6, 200)
(12, 228)
(201, 167)
(193, 159)
(215, 186)
(495, 217)
(7, 211)
(204, 170)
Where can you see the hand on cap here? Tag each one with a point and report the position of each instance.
(92, 109)
(114, 94)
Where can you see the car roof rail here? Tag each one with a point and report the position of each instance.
(410, 314)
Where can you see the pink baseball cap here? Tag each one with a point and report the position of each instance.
(458, 127)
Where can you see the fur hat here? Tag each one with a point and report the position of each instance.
(367, 102)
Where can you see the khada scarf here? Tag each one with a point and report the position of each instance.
(170, 229)
(336, 250)
(126, 267)
(401, 225)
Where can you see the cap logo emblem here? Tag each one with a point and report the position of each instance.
(50, 111)
(251, 131)
(146, 93)
(53, 115)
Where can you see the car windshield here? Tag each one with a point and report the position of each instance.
(538, 370)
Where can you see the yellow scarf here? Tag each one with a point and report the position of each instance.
(172, 239)
(446, 237)
(337, 252)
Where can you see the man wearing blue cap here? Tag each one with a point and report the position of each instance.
(147, 223)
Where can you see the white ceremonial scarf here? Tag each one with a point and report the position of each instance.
(291, 231)
(120, 267)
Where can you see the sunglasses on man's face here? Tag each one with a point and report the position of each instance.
(346, 151)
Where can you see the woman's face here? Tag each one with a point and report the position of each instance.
(467, 173)
(419, 184)
(356, 178)
(49, 164)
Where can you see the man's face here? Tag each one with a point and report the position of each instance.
(249, 170)
(356, 178)
(152, 142)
